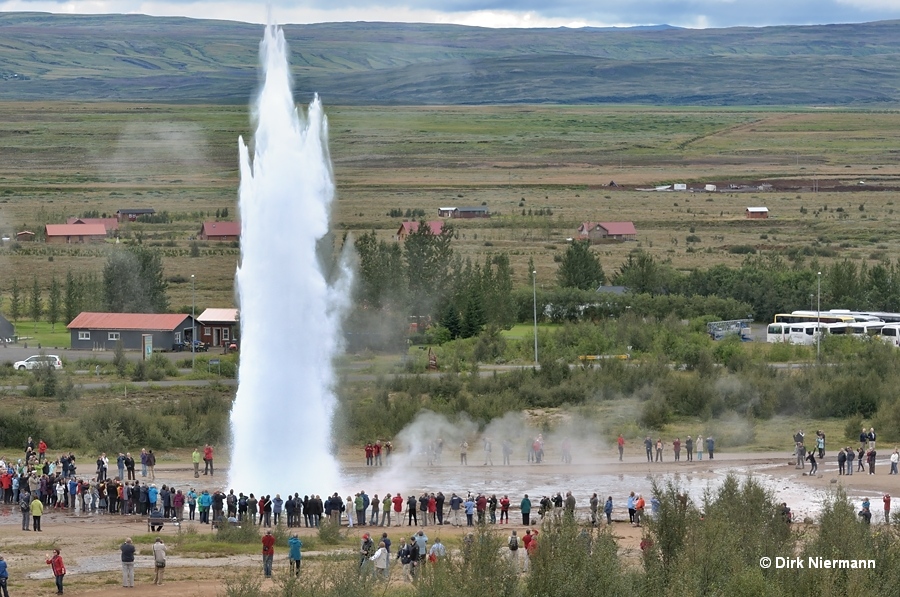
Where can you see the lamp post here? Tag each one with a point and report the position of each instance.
(534, 295)
(818, 312)
(193, 323)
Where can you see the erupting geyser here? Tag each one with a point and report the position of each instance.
(290, 315)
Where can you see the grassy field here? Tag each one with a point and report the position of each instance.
(67, 158)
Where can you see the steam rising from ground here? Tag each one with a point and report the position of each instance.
(290, 315)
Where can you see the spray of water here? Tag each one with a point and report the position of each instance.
(290, 315)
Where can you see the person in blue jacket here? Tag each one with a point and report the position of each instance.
(4, 577)
(294, 555)
(204, 502)
(152, 496)
(607, 509)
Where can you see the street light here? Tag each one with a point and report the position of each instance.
(818, 312)
(534, 294)
(193, 323)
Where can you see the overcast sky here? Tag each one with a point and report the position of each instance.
(499, 13)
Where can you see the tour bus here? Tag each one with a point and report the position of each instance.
(800, 333)
(890, 333)
(860, 316)
(865, 328)
(813, 317)
(806, 333)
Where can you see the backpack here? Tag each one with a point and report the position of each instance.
(231, 499)
(513, 543)
(24, 506)
(242, 502)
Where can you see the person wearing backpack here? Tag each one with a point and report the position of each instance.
(513, 543)
(25, 507)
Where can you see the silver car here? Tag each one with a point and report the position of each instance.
(47, 360)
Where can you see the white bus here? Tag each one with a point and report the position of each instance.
(890, 333)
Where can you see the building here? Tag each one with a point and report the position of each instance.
(757, 213)
(7, 330)
(225, 231)
(600, 231)
(218, 327)
(111, 224)
(470, 212)
(407, 228)
(25, 235)
(130, 215)
(446, 212)
(65, 234)
(101, 331)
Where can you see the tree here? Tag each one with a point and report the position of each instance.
(15, 301)
(427, 257)
(133, 282)
(382, 278)
(580, 268)
(35, 307)
(71, 297)
(53, 303)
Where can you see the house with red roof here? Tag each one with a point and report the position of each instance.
(225, 231)
(597, 232)
(102, 331)
(111, 224)
(65, 234)
(407, 228)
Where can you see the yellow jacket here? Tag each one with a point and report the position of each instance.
(37, 507)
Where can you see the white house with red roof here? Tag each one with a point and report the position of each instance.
(602, 231)
(101, 331)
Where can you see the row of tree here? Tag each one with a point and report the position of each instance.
(132, 282)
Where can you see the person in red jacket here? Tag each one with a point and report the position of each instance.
(370, 451)
(268, 553)
(58, 568)
(398, 507)
(208, 460)
(504, 509)
(42, 450)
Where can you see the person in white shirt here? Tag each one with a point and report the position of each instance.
(380, 558)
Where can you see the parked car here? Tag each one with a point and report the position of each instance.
(186, 347)
(47, 360)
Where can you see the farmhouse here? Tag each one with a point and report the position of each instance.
(25, 235)
(111, 224)
(464, 212)
(101, 331)
(64, 234)
(218, 326)
(130, 215)
(225, 231)
(600, 231)
(407, 228)
(757, 213)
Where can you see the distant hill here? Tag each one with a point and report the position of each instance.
(153, 59)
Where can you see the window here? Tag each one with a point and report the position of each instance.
(84, 335)
(177, 337)
(224, 333)
(206, 331)
(113, 336)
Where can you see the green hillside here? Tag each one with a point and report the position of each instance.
(140, 58)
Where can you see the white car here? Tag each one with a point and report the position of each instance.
(48, 360)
